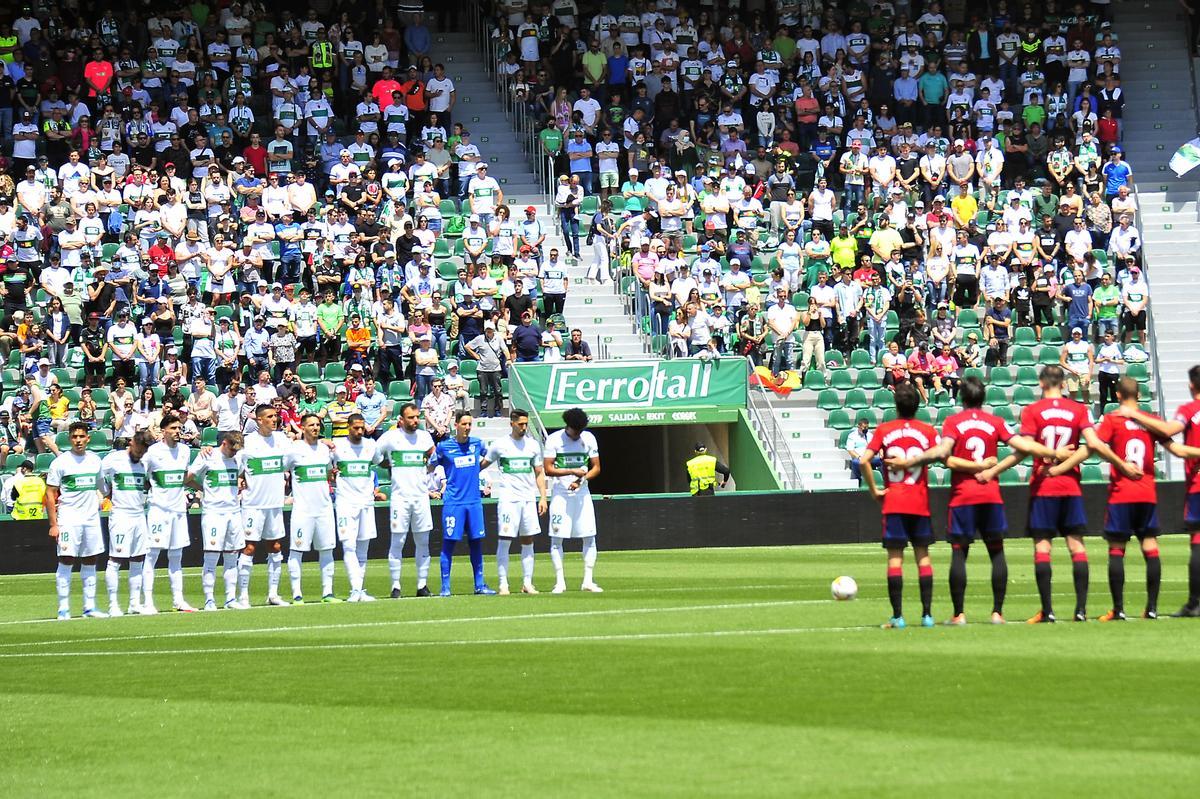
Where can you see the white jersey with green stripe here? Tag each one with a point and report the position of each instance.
(310, 466)
(218, 475)
(167, 467)
(124, 481)
(355, 479)
(77, 478)
(569, 453)
(264, 470)
(517, 462)
(408, 453)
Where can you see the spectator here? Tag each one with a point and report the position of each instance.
(856, 443)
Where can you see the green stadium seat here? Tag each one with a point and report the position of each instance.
(42, 462)
(308, 372)
(943, 414)
(1007, 413)
(1052, 335)
(335, 372)
(1002, 377)
(1025, 337)
(839, 419)
(208, 437)
(1023, 395)
(814, 379)
(883, 399)
(867, 378)
(100, 441)
(827, 400)
(325, 392)
(1023, 356)
(843, 437)
(890, 414)
(400, 390)
(1093, 474)
(843, 379)
(860, 359)
(996, 397)
(468, 368)
(968, 318)
(1138, 371)
(974, 371)
(1049, 355)
(1027, 376)
(924, 415)
(869, 415)
(856, 399)
(1010, 477)
(834, 360)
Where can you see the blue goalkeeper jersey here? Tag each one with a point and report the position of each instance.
(461, 463)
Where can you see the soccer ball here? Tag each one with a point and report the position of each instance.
(844, 589)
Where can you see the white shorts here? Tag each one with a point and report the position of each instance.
(263, 524)
(410, 515)
(517, 518)
(222, 531)
(80, 540)
(572, 516)
(168, 529)
(127, 534)
(355, 524)
(313, 532)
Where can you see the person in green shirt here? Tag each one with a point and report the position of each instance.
(843, 248)
(311, 403)
(1106, 300)
(330, 317)
(551, 138)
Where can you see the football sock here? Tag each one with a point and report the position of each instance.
(112, 580)
(1079, 570)
(148, 576)
(135, 580)
(87, 575)
(62, 586)
(245, 564)
(353, 573)
(1153, 578)
(274, 572)
(175, 574)
(589, 558)
(422, 546)
(999, 575)
(895, 583)
(362, 548)
(208, 577)
(527, 563)
(1042, 574)
(1116, 577)
(958, 576)
(396, 557)
(925, 583)
(295, 568)
(475, 546)
(556, 557)
(231, 575)
(447, 561)
(502, 547)
(1194, 572)
(326, 558)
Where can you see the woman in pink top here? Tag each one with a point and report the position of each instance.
(945, 372)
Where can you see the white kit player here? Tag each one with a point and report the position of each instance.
(123, 480)
(166, 468)
(520, 479)
(217, 473)
(408, 449)
(262, 503)
(572, 459)
(73, 509)
(310, 466)
(355, 455)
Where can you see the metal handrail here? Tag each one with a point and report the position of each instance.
(762, 418)
(515, 380)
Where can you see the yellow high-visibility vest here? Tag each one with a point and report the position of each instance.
(702, 474)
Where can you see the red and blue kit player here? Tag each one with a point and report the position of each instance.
(462, 505)
(970, 443)
(905, 499)
(1056, 500)
(1186, 421)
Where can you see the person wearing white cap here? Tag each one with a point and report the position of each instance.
(475, 241)
(319, 114)
(567, 200)
(342, 171)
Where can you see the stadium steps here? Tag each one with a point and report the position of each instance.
(595, 309)
(1158, 118)
(820, 463)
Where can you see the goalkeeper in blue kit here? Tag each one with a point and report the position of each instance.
(462, 504)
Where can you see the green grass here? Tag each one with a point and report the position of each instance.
(723, 673)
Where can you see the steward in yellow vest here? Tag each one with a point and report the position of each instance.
(702, 472)
(29, 493)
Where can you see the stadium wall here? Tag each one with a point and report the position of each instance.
(743, 518)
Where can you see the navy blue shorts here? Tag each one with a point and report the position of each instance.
(456, 520)
(986, 519)
(1051, 516)
(1123, 520)
(901, 529)
(1191, 511)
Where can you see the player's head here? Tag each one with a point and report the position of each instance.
(356, 427)
(576, 421)
(1051, 377)
(518, 420)
(170, 427)
(462, 424)
(232, 442)
(310, 427)
(267, 418)
(907, 400)
(1127, 389)
(141, 441)
(971, 392)
(410, 416)
(1194, 378)
(79, 434)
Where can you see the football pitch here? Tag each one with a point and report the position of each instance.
(701, 672)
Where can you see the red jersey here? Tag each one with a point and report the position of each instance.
(1189, 416)
(1054, 423)
(977, 436)
(908, 489)
(1135, 444)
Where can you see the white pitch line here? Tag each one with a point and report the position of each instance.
(304, 628)
(550, 639)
